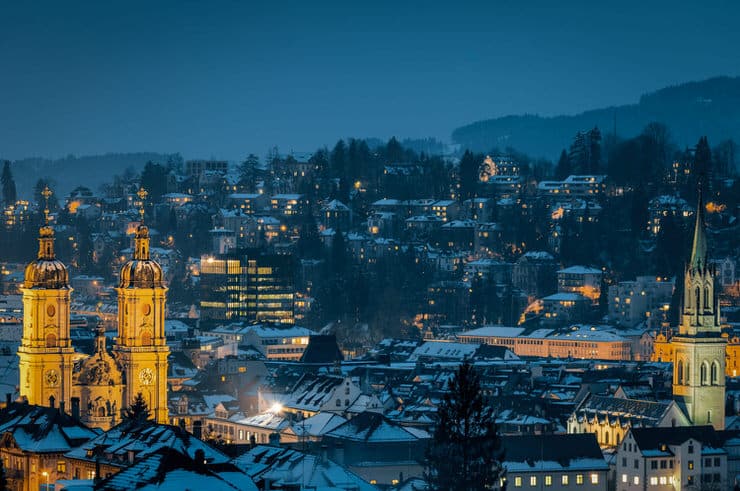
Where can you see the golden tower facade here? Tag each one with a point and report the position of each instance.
(46, 353)
(141, 348)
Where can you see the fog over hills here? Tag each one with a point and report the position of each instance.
(710, 107)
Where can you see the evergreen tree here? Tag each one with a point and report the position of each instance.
(8, 184)
(562, 170)
(465, 453)
(594, 150)
(338, 159)
(3, 478)
(702, 172)
(579, 154)
(154, 180)
(468, 175)
(138, 411)
(394, 151)
(247, 171)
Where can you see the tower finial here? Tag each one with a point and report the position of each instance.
(46, 193)
(142, 194)
(699, 246)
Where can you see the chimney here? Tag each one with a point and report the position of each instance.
(75, 408)
(274, 439)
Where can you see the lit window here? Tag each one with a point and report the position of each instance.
(518, 482)
(653, 481)
(579, 478)
(594, 479)
(663, 480)
(533, 480)
(548, 480)
(636, 480)
(564, 480)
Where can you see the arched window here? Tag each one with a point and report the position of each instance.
(715, 372)
(146, 338)
(51, 340)
(698, 295)
(101, 411)
(706, 298)
(606, 437)
(688, 373)
(679, 372)
(704, 374)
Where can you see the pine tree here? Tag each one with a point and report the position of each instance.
(468, 175)
(3, 478)
(562, 170)
(465, 453)
(8, 183)
(594, 151)
(138, 411)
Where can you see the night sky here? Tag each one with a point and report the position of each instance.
(222, 79)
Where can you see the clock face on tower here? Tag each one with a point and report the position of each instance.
(146, 376)
(52, 378)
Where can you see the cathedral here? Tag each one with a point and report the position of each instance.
(102, 385)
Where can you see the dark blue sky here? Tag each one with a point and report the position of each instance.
(222, 79)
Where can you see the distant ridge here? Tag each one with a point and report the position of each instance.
(69, 172)
(710, 107)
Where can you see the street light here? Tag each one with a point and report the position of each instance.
(46, 475)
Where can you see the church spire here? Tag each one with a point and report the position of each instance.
(46, 233)
(141, 249)
(699, 247)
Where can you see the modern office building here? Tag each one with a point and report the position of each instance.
(249, 285)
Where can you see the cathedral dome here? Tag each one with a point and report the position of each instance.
(141, 271)
(46, 271)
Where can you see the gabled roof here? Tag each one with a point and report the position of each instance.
(41, 429)
(170, 469)
(653, 438)
(577, 450)
(322, 349)
(372, 427)
(283, 467)
(623, 408)
(143, 439)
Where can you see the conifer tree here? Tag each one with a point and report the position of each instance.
(8, 184)
(138, 411)
(466, 452)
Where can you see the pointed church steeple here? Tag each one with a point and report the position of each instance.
(699, 247)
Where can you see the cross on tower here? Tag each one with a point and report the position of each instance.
(142, 194)
(46, 193)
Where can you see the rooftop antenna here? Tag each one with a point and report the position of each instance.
(46, 193)
(142, 194)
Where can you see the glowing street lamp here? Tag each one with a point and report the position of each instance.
(46, 476)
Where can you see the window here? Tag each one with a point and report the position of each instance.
(624, 477)
(691, 449)
(518, 482)
(564, 479)
(716, 462)
(61, 467)
(637, 464)
(579, 478)
(653, 481)
(533, 481)
(594, 478)
(548, 480)
(691, 465)
(663, 480)
(636, 480)
(707, 462)
(663, 464)
(654, 464)
(624, 461)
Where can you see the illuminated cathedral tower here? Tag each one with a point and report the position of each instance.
(140, 347)
(46, 353)
(699, 348)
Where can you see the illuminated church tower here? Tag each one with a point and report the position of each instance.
(46, 353)
(699, 348)
(140, 347)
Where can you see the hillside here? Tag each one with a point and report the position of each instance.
(69, 172)
(710, 107)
